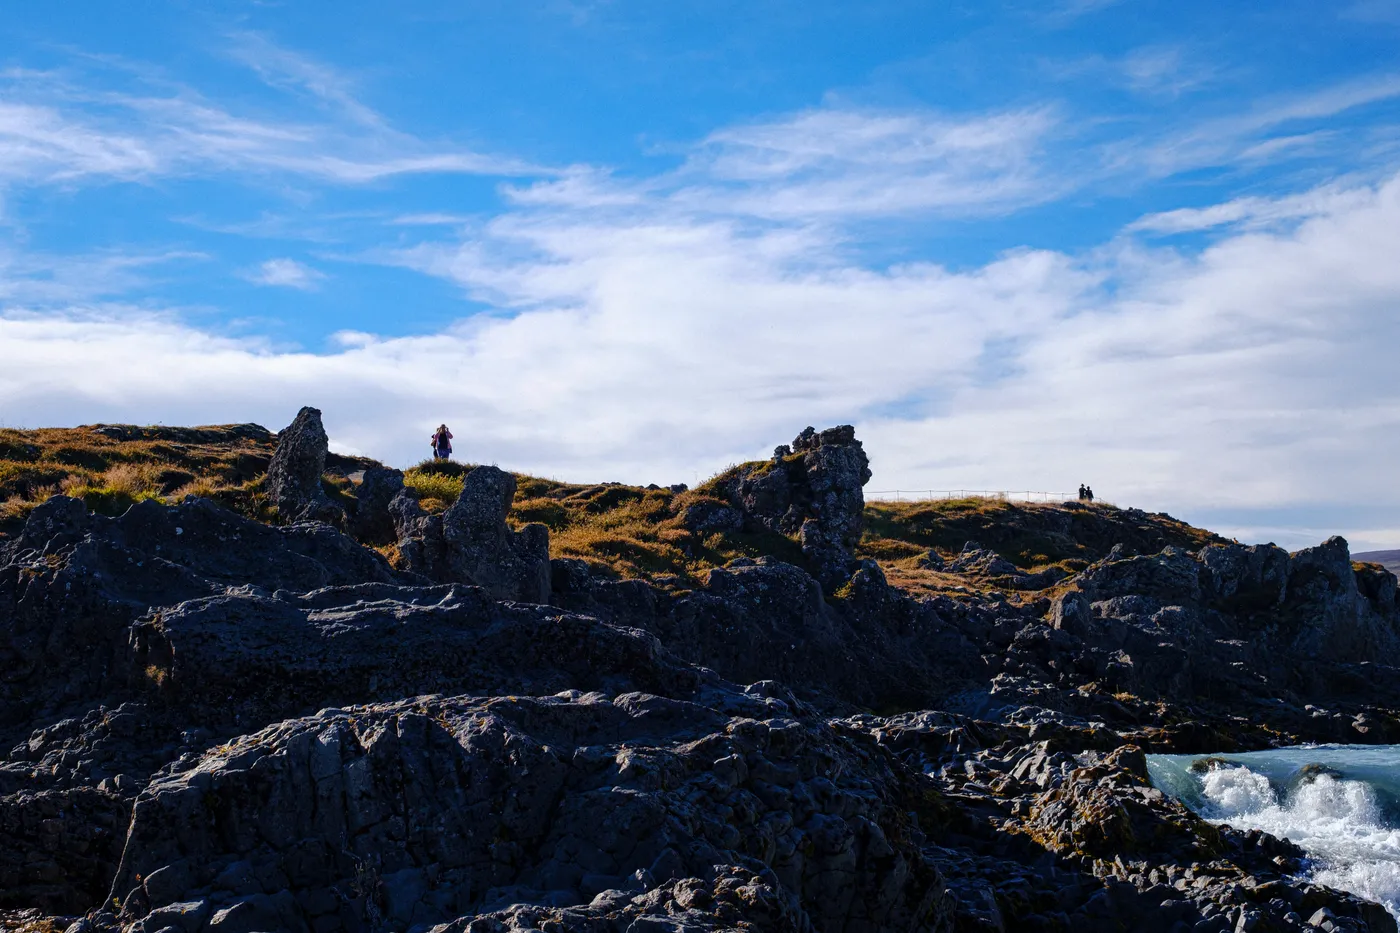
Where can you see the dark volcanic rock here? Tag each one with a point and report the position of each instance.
(1331, 617)
(294, 476)
(430, 809)
(72, 582)
(263, 658)
(812, 490)
(1045, 839)
(471, 542)
(372, 521)
(271, 729)
(58, 847)
(768, 620)
(732, 898)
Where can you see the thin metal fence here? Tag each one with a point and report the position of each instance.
(1005, 495)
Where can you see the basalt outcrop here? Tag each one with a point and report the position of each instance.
(428, 810)
(372, 522)
(294, 476)
(215, 724)
(471, 542)
(812, 489)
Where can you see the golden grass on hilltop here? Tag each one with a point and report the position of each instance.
(111, 467)
(619, 530)
(1033, 536)
(625, 531)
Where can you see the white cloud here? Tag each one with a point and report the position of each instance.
(833, 164)
(287, 273)
(1256, 375)
(433, 219)
(284, 69)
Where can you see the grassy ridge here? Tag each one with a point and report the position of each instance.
(626, 531)
(112, 466)
(1032, 536)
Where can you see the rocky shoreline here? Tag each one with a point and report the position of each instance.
(215, 723)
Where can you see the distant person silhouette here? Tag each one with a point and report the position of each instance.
(1083, 491)
(1089, 493)
(442, 443)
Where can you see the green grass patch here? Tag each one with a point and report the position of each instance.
(443, 488)
(106, 500)
(434, 467)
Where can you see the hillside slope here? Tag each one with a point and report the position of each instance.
(1390, 560)
(628, 531)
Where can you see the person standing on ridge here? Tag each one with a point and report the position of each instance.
(442, 443)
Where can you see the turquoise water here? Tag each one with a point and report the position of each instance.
(1340, 803)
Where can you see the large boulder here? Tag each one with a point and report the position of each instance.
(472, 543)
(73, 581)
(1330, 617)
(372, 642)
(294, 476)
(1246, 579)
(426, 810)
(811, 489)
(372, 521)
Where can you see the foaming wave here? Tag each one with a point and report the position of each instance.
(1236, 791)
(1337, 822)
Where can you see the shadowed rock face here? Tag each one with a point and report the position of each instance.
(261, 659)
(73, 583)
(294, 476)
(422, 811)
(471, 542)
(230, 726)
(372, 523)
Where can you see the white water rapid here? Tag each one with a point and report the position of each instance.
(1341, 804)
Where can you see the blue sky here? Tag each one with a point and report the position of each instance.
(1150, 246)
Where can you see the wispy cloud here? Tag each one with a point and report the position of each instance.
(834, 164)
(1253, 212)
(284, 69)
(1276, 128)
(53, 128)
(1373, 11)
(431, 219)
(287, 273)
(845, 161)
(1167, 71)
(41, 279)
(1068, 11)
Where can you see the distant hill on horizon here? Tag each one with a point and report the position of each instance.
(1390, 560)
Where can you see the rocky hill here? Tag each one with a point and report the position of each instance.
(246, 684)
(1390, 560)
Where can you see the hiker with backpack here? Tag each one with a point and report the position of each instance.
(442, 443)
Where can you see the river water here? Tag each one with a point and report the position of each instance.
(1340, 803)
